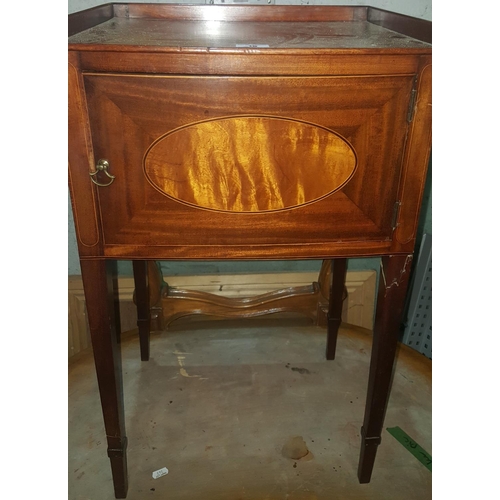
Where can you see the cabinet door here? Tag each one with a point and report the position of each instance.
(248, 166)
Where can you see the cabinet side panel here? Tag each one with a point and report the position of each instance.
(80, 157)
(416, 157)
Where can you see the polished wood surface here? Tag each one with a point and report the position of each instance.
(337, 276)
(80, 157)
(224, 36)
(178, 303)
(249, 163)
(130, 113)
(216, 27)
(245, 132)
(81, 21)
(96, 15)
(201, 295)
(237, 13)
(142, 297)
(97, 278)
(419, 29)
(393, 282)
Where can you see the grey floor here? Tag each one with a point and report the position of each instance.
(228, 407)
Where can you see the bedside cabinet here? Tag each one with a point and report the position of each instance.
(246, 132)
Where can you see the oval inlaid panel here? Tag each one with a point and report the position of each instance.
(249, 163)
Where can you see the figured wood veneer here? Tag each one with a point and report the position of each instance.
(132, 115)
(249, 163)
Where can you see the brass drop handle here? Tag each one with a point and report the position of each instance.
(102, 166)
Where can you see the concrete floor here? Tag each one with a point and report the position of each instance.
(221, 404)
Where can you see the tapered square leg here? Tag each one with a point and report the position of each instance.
(334, 317)
(143, 306)
(99, 297)
(393, 284)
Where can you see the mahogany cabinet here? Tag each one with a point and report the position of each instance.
(246, 132)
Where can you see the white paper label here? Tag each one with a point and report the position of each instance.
(160, 472)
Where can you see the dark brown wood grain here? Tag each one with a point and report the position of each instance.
(178, 303)
(239, 12)
(336, 299)
(240, 36)
(138, 72)
(393, 283)
(142, 296)
(280, 62)
(416, 28)
(419, 29)
(417, 155)
(99, 296)
(83, 20)
(311, 300)
(80, 159)
(156, 286)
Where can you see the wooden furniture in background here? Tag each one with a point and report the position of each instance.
(230, 132)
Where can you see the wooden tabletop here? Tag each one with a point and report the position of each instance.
(256, 35)
(167, 28)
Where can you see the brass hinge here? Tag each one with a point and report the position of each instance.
(395, 213)
(413, 100)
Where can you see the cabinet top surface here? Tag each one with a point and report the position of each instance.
(202, 28)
